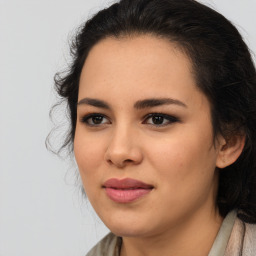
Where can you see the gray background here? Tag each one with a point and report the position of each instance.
(42, 211)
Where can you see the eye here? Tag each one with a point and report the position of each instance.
(158, 119)
(95, 120)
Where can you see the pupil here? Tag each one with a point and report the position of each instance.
(157, 119)
(97, 119)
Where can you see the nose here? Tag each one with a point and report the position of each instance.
(123, 149)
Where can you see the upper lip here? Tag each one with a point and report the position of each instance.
(127, 183)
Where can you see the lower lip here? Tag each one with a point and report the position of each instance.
(126, 195)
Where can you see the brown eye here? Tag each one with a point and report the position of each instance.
(158, 119)
(95, 120)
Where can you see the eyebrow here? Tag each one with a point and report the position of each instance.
(141, 104)
(93, 102)
(154, 102)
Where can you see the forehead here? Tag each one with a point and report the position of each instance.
(141, 53)
(131, 65)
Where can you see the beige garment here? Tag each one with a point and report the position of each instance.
(235, 238)
(222, 238)
(242, 241)
(110, 245)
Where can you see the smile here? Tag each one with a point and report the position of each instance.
(126, 190)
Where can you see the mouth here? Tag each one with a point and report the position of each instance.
(126, 190)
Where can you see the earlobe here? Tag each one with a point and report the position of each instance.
(230, 150)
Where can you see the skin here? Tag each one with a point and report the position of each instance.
(178, 158)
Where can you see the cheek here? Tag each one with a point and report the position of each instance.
(89, 153)
(185, 168)
(183, 155)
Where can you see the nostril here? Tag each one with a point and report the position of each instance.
(109, 161)
(123, 156)
(120, 164)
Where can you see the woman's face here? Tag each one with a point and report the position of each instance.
(144, 140)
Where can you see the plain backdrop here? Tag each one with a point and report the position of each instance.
(42, 211)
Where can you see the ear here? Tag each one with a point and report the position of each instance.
(229, 150)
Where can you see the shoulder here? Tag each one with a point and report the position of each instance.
(108, 246)
(249, 240)
(242, 240)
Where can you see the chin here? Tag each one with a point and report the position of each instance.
(129, 228)
(128, 232)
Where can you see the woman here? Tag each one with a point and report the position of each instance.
(162, 100)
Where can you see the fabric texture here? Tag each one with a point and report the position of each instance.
(242, 241)
(235, 238)
(110, 245)
(222, 238)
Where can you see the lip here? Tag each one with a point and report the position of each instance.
(126, 190)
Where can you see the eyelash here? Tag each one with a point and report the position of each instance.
(85, 119)
(170, 119)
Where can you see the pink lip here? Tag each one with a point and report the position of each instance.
(126, 190)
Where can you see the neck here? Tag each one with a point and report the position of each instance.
(192, 237)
